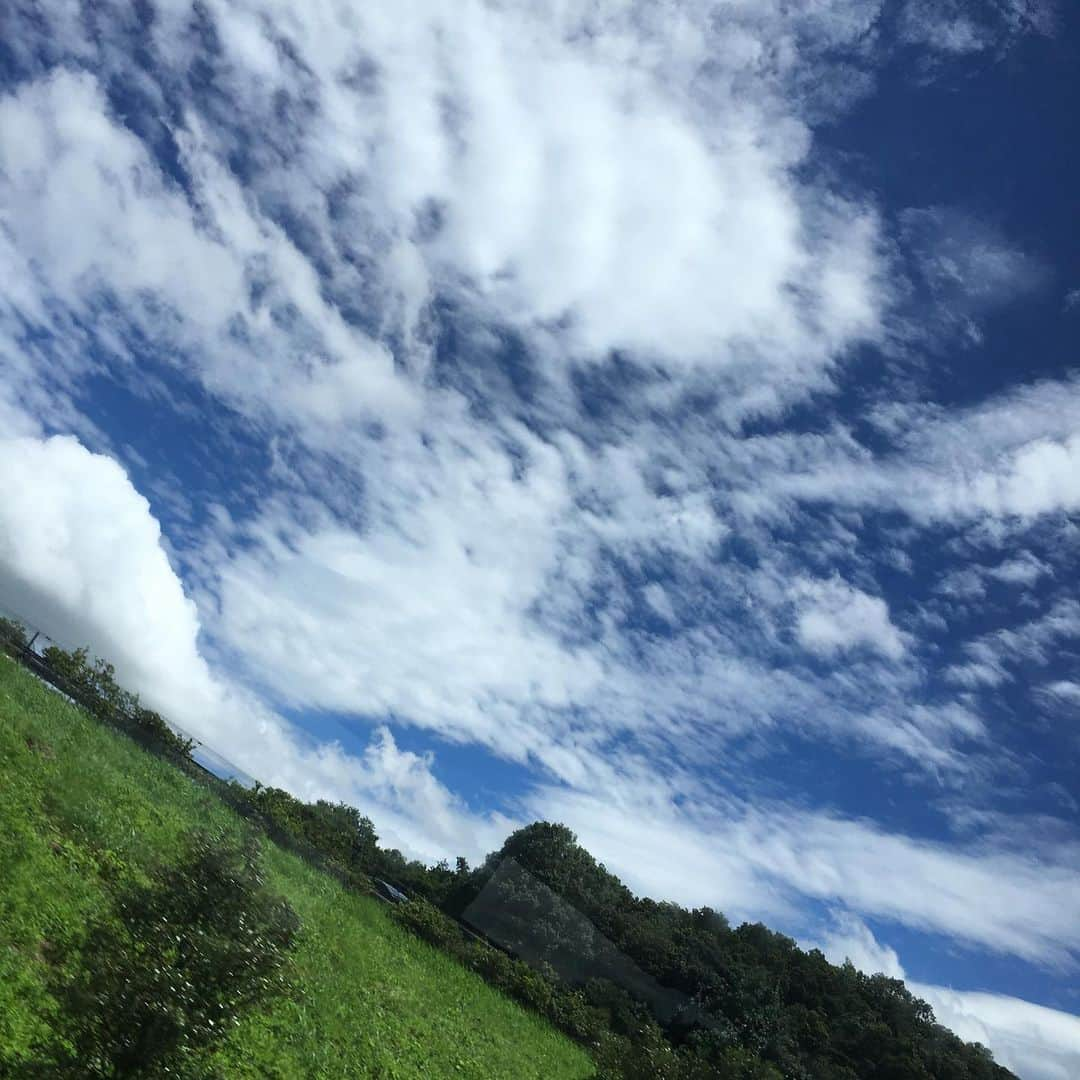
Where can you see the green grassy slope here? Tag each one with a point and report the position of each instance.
(82, 808)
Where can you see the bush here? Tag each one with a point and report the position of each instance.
(12, 635)
(148, 728)
(429, 923)
(95, 688)
(176, 964)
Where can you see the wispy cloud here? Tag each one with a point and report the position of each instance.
(993, 656)
(964, 26)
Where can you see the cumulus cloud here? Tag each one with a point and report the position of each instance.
(620, 181)
(1041, 476)
(1037, 1043)
(429, 613)
(568, 182)
(1065, 691)
(80, 551)
(971, 583)
(848, 938)
(1012, 457)
(834, 616)
(414, 175)
(994, 657)
(1023, 570)
(657, 599)
(543, 658)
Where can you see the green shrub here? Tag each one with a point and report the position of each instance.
(430, 924)
(177, 962)
(95, 687)
(12, 635)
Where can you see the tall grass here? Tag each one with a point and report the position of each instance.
(83, 811)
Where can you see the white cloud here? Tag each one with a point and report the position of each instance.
(953, 26)
(1025, 569)
(574, 181)
(429, 612)
(968, 265)
(834, 616)
(996, 655)
(966, 584)
(14, 420)
(738, 265)
(540, 659)
(947, 30)
(1065, 691)
(657, 599)
(969, 583)
(790, 273)
(414, 809)
(1042, 476)
(80, 550)
(616, 180)
(1037, 1043)
(1014, 458)
(100, 225)
(61, 570)
(849, 938)
(594, 176)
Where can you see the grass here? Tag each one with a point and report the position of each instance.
(82, 809)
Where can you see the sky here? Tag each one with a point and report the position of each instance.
(662, 418)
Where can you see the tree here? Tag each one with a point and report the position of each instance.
(12, 634)
(176, 964)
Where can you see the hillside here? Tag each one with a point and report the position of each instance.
(654, 991)
(83, 811)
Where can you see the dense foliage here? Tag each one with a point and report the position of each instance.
(173, 967)
(757, 991)
(12, 636)
(341, 841)
(743, 1003)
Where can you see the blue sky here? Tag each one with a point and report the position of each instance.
(666, 421)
